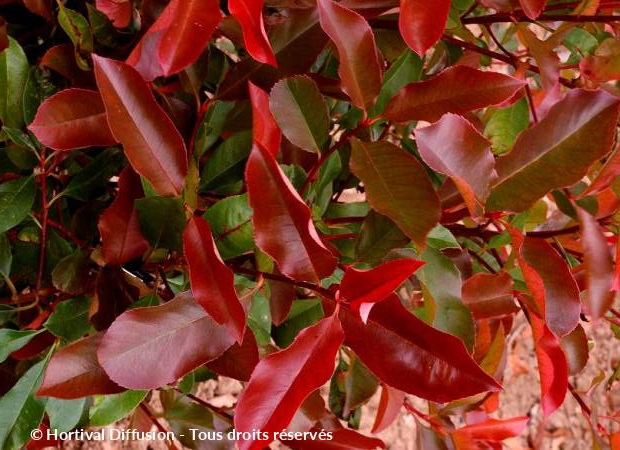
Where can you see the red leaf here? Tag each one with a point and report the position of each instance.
(360, 63)
(74, 372)
(118, 11)
(390, 402)
(550, 281)
(455, 148)
(599, 266)
(342, 439)
(42, 8)
(489, 295)
(191, 25)
(374, 285)
(73, 118)
(494, 430)
(146, 348)
(213, 283)
(121, 237)
(421, 23)
(458, 90)
(552, 366)
(152, 144)
(533, 8)
(282, 222)
(414, 357)
(282, 381)
(249, 13)
(238, 361)
(264, 127)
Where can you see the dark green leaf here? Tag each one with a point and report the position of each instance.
(162, 220)
(16, 200)
(69, 321)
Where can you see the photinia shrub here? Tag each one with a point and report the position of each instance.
(325, 200)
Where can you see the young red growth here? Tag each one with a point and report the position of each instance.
(151, 142)
(533, 8)
(213, 283)
(265, 130)
(249, 13)
(282, 222)
(360, 64)
(489, 295)
(390, 403)
(421, 23)
(283, 380)
(73, 118)
(118, 11)
(121, 238)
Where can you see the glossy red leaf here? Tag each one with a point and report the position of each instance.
(212, 282)
(459, 89)
(360, 63)
(557, 151)
(281, 381)
(264, 127)
(146, 348)
(494, 430)
(533, 8)
(550, 281)
(121, 238)
(397, 186)
(600, 272)
(390, 403)
(421, 23)
(453, 146)
(342, 439)
(118, 11)
(409, 355)
(249, 14)
(374, 285)
(191, 26)
(74, 372)
(152, 144)
(552, 366)
(489, 295)
(238, 361)
(73, 118)
(282, 222)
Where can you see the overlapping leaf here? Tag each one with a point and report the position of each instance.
(282, 221)
(118, 11)
(152, 144)
(458, 90)
(265, 130)
(489, 295)
(422, 23)
(249, 13)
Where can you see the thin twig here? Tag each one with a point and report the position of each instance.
(157, 424)
(272, 276)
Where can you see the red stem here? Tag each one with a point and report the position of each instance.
(158, 425)
(272, 276)
(44, 216)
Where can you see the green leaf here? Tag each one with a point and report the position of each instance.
(162, 220)
(378, 236)
(505, 125)
(112, 408)
(102, 28)
(78, 29)
(225, 165)
(231, 224)
(13, 76)
(6, 255)
(65, 415)
(303, 314)
(91, 181)
(22, 139)
(16, 200)
(301, 112)
(71, 274)
(213, 125)
(440, 237)
(406, 69)
(12, 340)
(20, 411)
(259, 319)
(69, 321)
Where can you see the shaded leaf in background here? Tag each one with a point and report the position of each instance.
(121, 238)
(576, 349)
(69, 321)
(212, 281)
(404, 352)
(71, 274)
(489, 295)
(457, 90)
(557, 151)
(12, 340)
(421, 23)
(73, 118)
(360, 64)
(146, 348)
(65, 415)
(152, 144)
(113, 295)
(453, 146)
(162, 221)
(505, 124)
(74, 372)
(301, 112)
(397, 186)
(270, 400)
(600, 271)
(238, 361)
(16, 201)
(377, 237)
(231, 223)
(13, 76)
(249, 14)
(282, 222)
(119, 12)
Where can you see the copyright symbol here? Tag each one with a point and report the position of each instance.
(36, 435)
